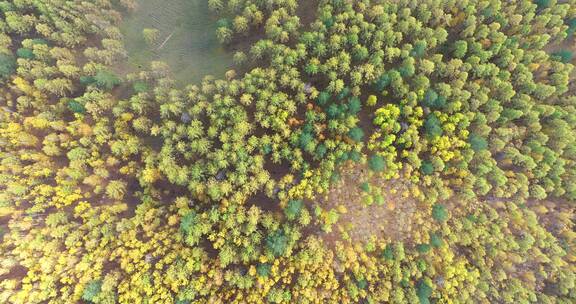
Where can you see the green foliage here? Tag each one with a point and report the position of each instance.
(356, 134)
(178, 185)
(224, 22)
(435, 240)
(264, 269)
(354, 106)
(277, 242)
(477, 143)
(25, 53)
(91, 290)
(564, 56)
(292, 210)
(439, 213)
(427, 168)
(140, 87)
(433, 126)
(323, 99)
(7, 65)
(460, 48)
(87, 80)
(433, 100)
(376, 163)
(305, 140)
(365, 186)
(355, 156)
(424, 291)
(388, 252)
(362, 284)
(379, 199)
(423, 248)
(383, 82)
(106, 80)
(419, 48)
(542, 4)
(76, 107)
(321, 151)
(188, 221)
(343, 93)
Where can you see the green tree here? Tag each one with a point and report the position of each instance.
(433, 126)
(427, 167)
(7, 65)
(92, 290)
(293, 209)
(25, 53)
(376, 163)
(356, 134)
(424, 291)
(277, 242)
(439, 213)
(460, 48)
(106, 80)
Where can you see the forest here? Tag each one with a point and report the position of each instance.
(339, 151)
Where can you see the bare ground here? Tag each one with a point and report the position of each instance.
(394, 220)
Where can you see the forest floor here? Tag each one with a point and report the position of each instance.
(392, 220)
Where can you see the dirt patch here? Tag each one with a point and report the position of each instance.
(16, 273)
(262, 201)
(307, 12)
(391, 217)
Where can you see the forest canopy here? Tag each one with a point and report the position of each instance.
(365, 151)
